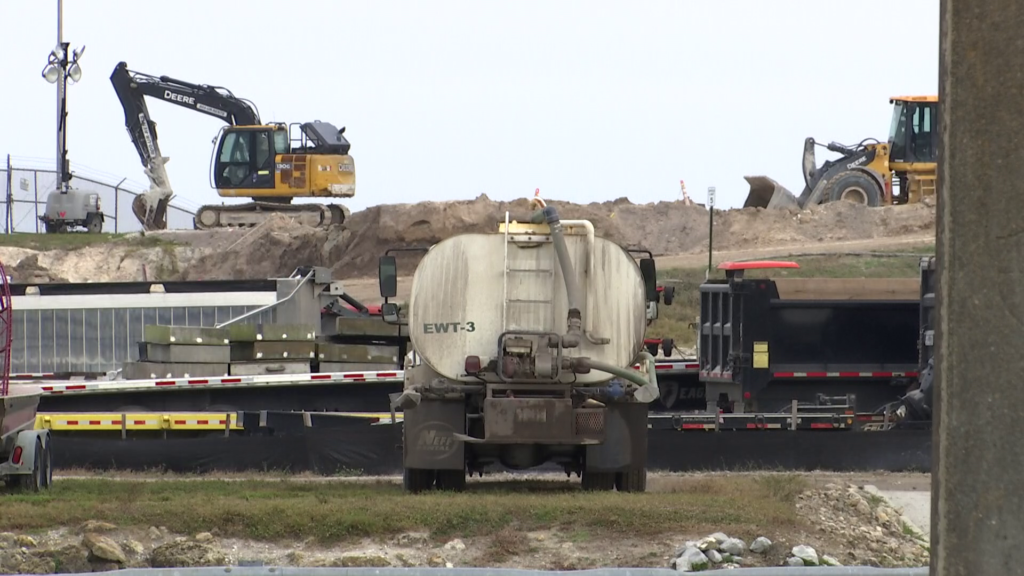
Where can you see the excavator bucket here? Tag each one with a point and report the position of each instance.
(769, 194)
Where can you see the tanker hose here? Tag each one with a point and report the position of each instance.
(648, 390)
(572, 289)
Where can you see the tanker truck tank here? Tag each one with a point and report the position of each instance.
(526, 339)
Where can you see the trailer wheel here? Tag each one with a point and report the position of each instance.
(417, 480)
(48, 465)
(598, 481)
(33, 482)
(632, 480)
(453, 480)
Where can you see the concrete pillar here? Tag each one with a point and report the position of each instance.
(978, 464)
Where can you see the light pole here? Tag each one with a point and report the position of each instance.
(57, 71)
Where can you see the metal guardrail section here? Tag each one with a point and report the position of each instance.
(289, 571)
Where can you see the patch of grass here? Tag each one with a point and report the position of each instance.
(507, 543)
(676, 321)
(331, 512)
(76, 240)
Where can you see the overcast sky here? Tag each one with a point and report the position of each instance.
(448, 99)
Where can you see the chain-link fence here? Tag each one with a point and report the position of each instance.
(25, 188)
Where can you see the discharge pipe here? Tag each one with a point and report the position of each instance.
(588, 324)
(571, 339)
(648, 389)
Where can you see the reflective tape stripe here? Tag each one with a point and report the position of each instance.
(393, 376)
(845, 374)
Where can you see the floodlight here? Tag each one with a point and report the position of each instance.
(51, 73)
(75, 72)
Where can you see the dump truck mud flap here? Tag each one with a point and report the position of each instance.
(769, 194)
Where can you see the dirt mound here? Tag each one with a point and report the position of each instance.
(663, 228)
(279, 246)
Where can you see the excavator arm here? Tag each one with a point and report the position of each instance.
(132, 88)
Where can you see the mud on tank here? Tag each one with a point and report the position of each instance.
(526, 340)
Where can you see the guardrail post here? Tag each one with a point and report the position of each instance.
(124, 426)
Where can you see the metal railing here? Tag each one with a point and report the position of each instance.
(24, 188)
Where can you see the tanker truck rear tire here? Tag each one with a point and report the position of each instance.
(416, 480)
(632, 480)
(451, 480)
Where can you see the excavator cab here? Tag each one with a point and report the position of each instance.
(245, 157)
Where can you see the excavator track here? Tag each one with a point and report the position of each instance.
(251, 214)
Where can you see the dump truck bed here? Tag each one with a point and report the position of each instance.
(17, 412)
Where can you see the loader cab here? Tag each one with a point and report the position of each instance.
(913, 134)
(245, 156)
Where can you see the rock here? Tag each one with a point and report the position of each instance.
(364, 561)
(827, 560)
(204, 537)
(18, 561)
(692, 560)
(733, 546)
(863, 507)
(8, 540)
(714, 556)
(72, 558)
(457, 545)
(25, 541)
(154, 533)
(739, 560)
(794, 561)
(186, 554)
(96, 526)
(404, 560)
(105, 566)
(295, 558)
(806, 554)
(760, 545)
(720, 537)
(729, 566)
(134, 547)
(103, 548)
(709, 543)
(436, 562)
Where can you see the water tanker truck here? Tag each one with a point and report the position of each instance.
(525, 342)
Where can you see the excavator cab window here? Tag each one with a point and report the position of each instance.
(246, 160)
(282, 144)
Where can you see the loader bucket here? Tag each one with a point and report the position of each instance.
(769, 194)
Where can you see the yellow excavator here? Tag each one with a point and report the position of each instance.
(269, 163)
(865, 172)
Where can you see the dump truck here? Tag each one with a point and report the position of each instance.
(767, 343)
(864, 172)
(525, 345)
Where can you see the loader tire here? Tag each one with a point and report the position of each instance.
(855, 187)
(416, 480)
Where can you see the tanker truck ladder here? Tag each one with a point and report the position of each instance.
(513, 270)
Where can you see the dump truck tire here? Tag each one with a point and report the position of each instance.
(855, 187)
(598, 481)
(451, 480)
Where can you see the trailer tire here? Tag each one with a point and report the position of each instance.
(33, 482)
(632, 480)
(47, 465)
(416, 480)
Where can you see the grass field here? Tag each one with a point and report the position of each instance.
(674, 321)
(332, 512)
